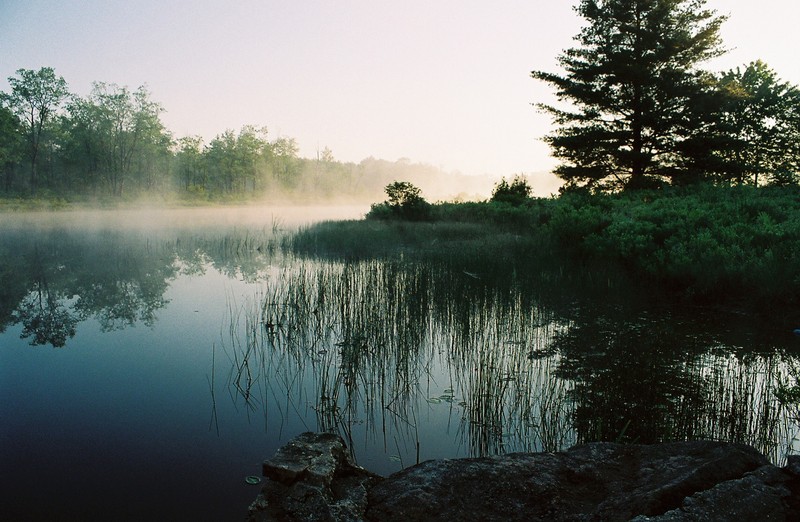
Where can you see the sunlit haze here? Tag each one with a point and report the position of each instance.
(442, 82)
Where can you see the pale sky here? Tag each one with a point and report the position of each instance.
(443, 82)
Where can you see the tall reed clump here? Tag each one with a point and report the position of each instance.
(376, 346)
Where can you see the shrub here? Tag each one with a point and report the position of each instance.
(403, 202)
(515, 193)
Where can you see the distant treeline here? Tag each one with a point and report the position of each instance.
(113, 144)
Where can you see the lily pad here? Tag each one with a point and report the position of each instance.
(253, 480)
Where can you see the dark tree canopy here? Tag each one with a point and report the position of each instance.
(10, 144)
(760, 119)
(35, 97)
(633, 92)
(404, 201)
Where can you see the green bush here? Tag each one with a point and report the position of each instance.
(515, 193)
(403, 202)
(707, 243)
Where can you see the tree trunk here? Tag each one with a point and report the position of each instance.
(33, 174)
(637, 143)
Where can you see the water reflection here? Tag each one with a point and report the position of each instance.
(418, 358)
(55, 279)
(660, 377)
(375, 346)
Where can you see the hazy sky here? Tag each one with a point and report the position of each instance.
(443, 82)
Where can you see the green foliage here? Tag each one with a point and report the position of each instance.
(760, 118)
(704, 243)
(111, 147)
(35, 98)
(701, 243)
(403, 202)
(11, 145)
(115, 135)
(235, 163)
(515, 193)
(634, 87)
(401, 193)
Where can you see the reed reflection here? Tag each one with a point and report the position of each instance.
(377, 348)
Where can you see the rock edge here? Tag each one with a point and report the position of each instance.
(313, 478)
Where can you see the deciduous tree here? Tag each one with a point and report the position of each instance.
(11, 140)
(515, 193)
(119, 133)
(35, 97)
(237, 160)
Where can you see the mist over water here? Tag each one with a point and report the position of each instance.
(159, 218)
(168, 352)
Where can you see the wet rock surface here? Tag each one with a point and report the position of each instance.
(313, 478)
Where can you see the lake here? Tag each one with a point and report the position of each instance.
(151, 360)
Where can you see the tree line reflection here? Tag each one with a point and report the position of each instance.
(52, 280)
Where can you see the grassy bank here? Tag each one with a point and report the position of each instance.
(708, 243)
(720, 245)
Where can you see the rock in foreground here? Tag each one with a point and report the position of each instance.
(312, 478)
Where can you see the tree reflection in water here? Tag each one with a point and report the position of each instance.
(60, 279)
(52, 280)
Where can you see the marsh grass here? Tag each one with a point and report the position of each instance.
(397, 336)
(743, 403)
(364, 345)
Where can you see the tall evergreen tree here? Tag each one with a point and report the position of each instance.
(634, 91)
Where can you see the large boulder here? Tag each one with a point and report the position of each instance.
(313, 478)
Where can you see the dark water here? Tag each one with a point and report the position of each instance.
(150, 361)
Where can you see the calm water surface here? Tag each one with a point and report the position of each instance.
(149, 361)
